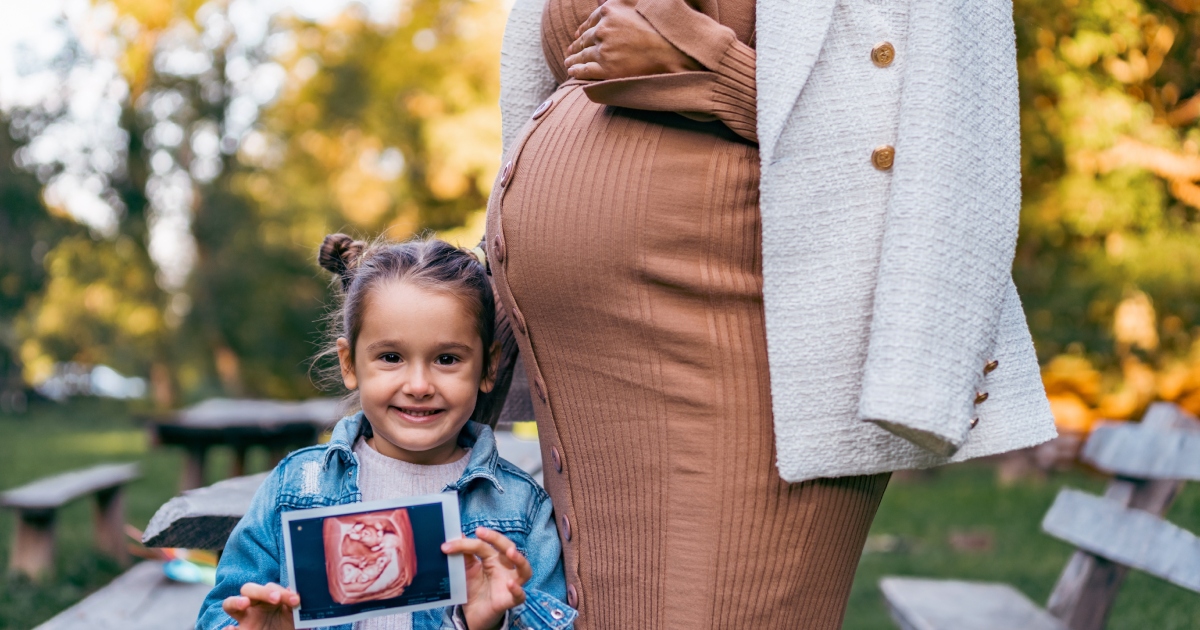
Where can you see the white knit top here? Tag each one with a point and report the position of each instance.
(381, 477)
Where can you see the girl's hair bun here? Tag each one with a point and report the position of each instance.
(339, 253)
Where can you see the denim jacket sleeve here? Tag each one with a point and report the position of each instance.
(252, 554)
(544, 608)
(546, 591)
(539, 612)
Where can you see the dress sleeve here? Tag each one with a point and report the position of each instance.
(725, 91)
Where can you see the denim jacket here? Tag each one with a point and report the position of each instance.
(492, 493)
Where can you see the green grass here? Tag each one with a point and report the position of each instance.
(965, 498)
(921, 513)
(53, 438)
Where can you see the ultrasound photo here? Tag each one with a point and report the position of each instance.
(363, 560)
(369, 556)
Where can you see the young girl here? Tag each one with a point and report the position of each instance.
(414, 341)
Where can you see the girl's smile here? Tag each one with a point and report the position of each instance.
(416, 414)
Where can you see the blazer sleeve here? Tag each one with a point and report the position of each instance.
(725, 91)
(951, 224)
(525, 78)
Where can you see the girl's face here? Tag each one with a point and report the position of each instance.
(418, 367)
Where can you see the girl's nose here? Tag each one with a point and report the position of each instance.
(418, 384)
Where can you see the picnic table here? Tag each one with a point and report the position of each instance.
(278, 426)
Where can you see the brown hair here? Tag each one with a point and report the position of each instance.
(428, 263)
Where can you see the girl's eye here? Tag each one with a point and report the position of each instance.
(447, 359)
(390, 357)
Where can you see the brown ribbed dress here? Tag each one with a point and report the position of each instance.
(625, 245)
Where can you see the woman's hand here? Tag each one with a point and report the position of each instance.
(496, 572)
(616, 42)
(262, 607)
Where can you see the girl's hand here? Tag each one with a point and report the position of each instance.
(495, 573)
(262, 607)
(616, 42)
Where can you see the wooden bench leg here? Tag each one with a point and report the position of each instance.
(110, 524)
(33, 544)
(193, 468)
(238, 466)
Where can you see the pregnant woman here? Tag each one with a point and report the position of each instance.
(748, 284)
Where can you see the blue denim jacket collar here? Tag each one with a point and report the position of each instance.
(479, 438)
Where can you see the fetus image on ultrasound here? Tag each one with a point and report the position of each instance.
(369, 556)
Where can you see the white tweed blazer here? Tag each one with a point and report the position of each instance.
(886, 292)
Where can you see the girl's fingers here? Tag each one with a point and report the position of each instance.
(470, 546)
(524, 569)
(502, 543)
(494, 538)
(513, 558)
(235, 605)
(257, 592)
(270, 593)
(518, 593)
(283, 596)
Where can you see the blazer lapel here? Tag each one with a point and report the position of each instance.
(789, 37)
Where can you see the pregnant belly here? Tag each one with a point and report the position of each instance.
(651, 197)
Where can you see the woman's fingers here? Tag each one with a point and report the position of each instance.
(586, 40)
(591, 54)
(587, 72)
(590, 22)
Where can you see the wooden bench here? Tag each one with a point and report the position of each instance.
(202, 518)
(1123, 529)
(142, 598)
(37, 505)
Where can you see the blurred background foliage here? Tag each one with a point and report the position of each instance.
(224, 154)
(1108, 261)
(234, 142)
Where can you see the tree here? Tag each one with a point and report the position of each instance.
(28, 231)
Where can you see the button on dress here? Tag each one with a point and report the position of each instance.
(625, 239)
